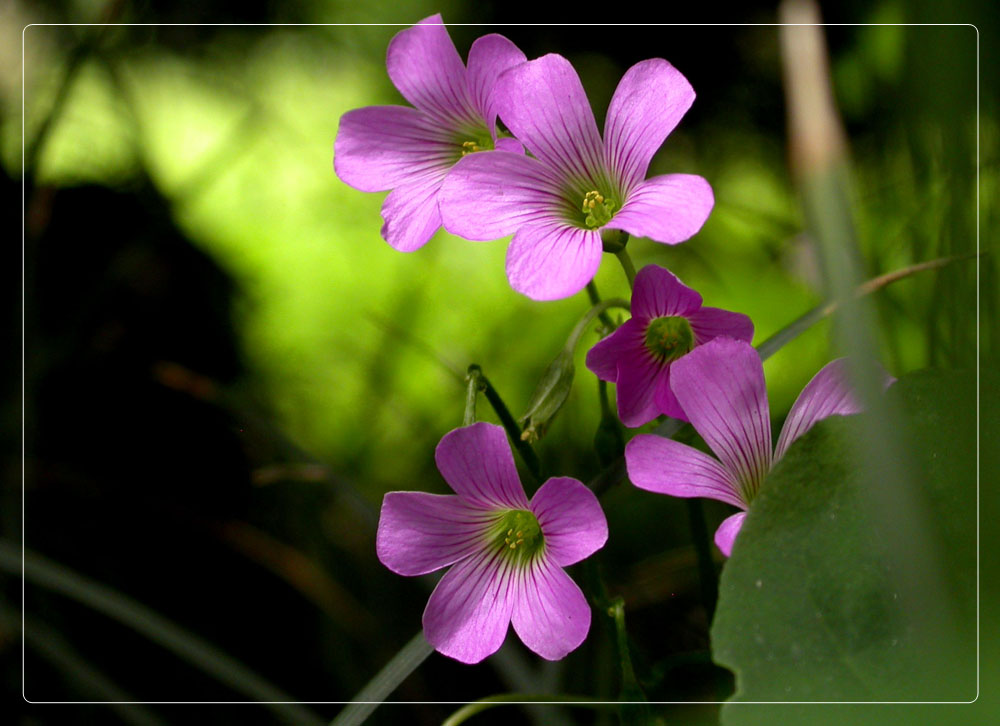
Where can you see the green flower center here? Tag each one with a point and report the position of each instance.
(598, 208)
(518, 535)
(669, 338)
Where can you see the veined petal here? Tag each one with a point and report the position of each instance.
(603, 358)
(666, 401)
(544, 105)
(491, 194)
(424, 65)
(490, 56)
(477, 463)
(725, 535)
(639, 375)
(659, 292)
(666, 466)
(668, 209)
(572, 521)
(411, 214)
(380, 147)
(720, 386)
(419, 532)
(708, 323)
(649, 102)
(829, 393)
(552, 261)
(551, 615)
(467, 615)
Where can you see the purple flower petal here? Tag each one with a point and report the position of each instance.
(467, 615)
(380, 147)
(708, 323)
(506, 143)
(603, 357)
(658, 292)
(477, 463)
(572, 521)
(424, 65)
(551, 615)
(419, 533)
(667, 209)
(411, 214)
(665, 466)
(649, 102)
(544, 105)
(488, 195)
(490, 56)
(549, 262)
(725, 535)
(639, 375)
(829, 393)
(666, 401)
(720, 386)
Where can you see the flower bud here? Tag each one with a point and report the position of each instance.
(550, 394)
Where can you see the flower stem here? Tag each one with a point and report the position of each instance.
(707, 575)
(510, 425)
(469, 710)
(594, 300)
(472, 390)
(627, 265)
(385, 681)
(597, 311)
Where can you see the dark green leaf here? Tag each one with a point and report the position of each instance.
(830, 596)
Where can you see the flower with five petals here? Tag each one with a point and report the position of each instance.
(507, 553)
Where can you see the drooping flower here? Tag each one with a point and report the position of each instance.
(410, 150)
(668, 321)
(720, 386)
(506, 553)
(558, 201)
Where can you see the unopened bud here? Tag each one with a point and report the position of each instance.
(550, 395)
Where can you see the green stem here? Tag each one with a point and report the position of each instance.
(595, 299)
(471, 394)
(627, 265)
(385, 682)
(469, 710)
(707, 576)
(599, 309)
(510, 425)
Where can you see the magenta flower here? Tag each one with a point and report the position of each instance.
(720, 386)
(667, 322)
(508, 553)
(557, 202)
(409, 150)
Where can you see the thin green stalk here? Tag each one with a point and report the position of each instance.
(385, 682)
(599, 309)
(510, 425)
(595, 299)
(53, 576)
(707, 575)
(506, 699)
(472, 390)
(627, 265)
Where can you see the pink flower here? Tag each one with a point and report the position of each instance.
(667, 322)
(557, 202)
(507, 553)
(720, 386)
(410, 150)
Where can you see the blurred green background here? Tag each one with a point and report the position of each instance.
(226, 367)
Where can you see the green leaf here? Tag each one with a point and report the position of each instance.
(832, 596)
